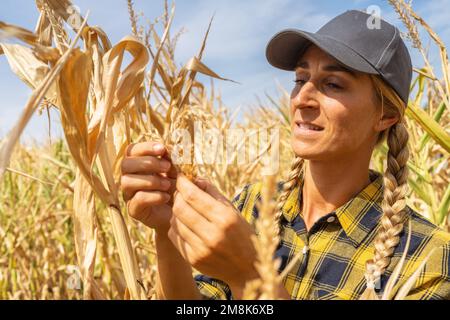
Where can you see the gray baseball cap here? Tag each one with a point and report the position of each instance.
(350, 40)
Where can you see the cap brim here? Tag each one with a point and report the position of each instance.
(286, 47)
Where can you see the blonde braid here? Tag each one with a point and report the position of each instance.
(289, 185)
(393, 205)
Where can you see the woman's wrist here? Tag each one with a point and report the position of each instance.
(165, 247)
(161, 236)
(176, 281)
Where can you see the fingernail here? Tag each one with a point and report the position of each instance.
(158, 147)
(165, 184)
(165, 165)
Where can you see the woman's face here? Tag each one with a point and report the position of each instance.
(339, 101)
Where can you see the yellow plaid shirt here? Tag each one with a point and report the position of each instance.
(337, 247)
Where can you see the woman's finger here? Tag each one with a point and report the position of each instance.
(183, 246)
(132, 183)
(173, 171)
(212, 190)
(150, 148)
(198, 199)
(145, 165)
(196, 223)
(138, 205)
(186, 233)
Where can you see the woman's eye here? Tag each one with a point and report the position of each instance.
(334, 85)
(299, 81)
(331, 85)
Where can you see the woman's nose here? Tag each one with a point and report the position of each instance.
(305, 96)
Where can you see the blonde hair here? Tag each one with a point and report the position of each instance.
(395, 184)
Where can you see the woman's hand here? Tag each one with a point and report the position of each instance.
(211, 234)
(148, 183)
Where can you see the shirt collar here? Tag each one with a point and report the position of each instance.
(357, 217)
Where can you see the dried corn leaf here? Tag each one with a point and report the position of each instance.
(38, 94)
(166, 78)
(38, 40)
(27, 67)
(157, 121)
(170, 65)
(43, 30)
(196, 65)
(97, 43)
(193, 73)
(85, 234)
(119, 88)
(47, 54)
(73, 88)
(117, 164)
(65, 10)
(126, 254)
(92, 289)
(41, 49)
(84, 216)
(9, 30)
(177, 100)
(94, 35)
(160, 44)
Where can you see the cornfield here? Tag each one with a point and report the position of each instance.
(64, 228)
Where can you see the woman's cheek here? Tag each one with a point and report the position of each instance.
(349, 135)
(338, 135)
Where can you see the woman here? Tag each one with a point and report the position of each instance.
(350, 222)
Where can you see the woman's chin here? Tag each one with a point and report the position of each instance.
(305, 150)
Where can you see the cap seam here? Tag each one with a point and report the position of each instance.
(389, 44)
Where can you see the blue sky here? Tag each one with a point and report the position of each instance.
(235, 49)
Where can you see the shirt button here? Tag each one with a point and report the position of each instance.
(331, 219)
(305, 250)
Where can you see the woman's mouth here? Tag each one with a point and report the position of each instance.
(307, 129)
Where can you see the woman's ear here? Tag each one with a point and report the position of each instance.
(386, 122)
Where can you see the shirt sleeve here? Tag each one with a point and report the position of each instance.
(214, 289)
(434, 281)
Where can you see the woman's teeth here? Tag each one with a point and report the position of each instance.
(309, 127)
